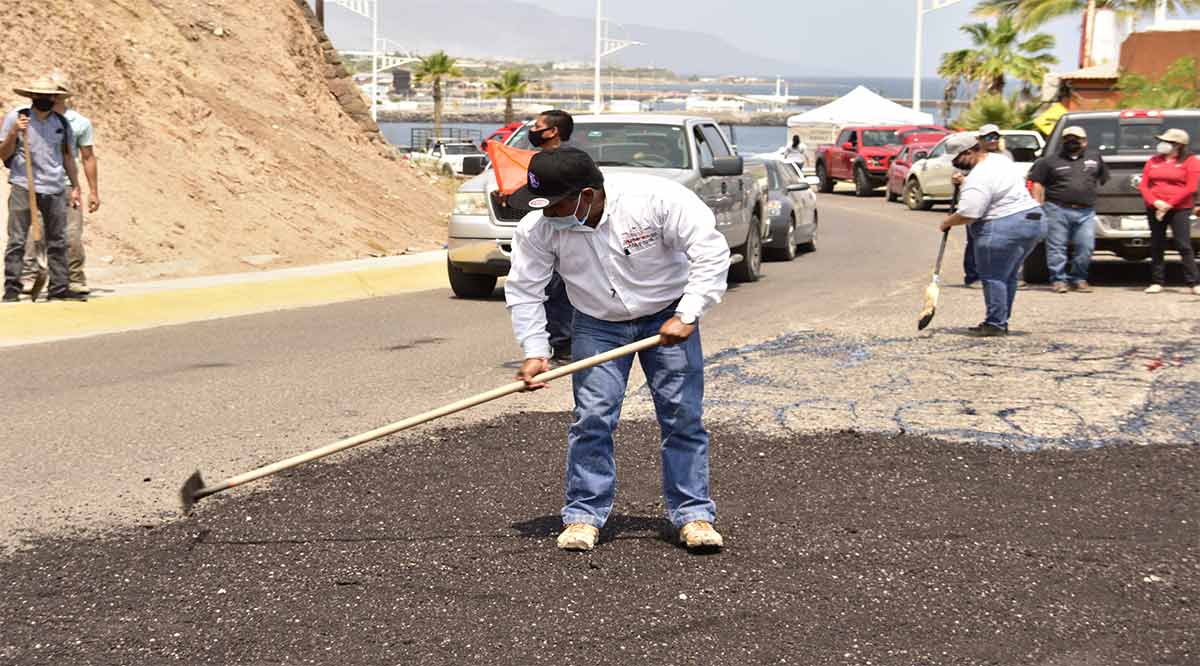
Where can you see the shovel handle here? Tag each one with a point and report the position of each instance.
(445, 410)
(937, 266)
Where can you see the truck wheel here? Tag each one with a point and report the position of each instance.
(826, 184)
(1036, 270)
(447, 171)
(470, 285)
(862, 183)
(788, 251)
(914, 198)
(749, 269)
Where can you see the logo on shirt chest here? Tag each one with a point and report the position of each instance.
(638, 239)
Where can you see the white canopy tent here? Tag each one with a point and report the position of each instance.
(861, 107)
(857, 107)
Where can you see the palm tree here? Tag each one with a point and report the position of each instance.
(997, 55)
(510, 84)
(434, 68)
(1030, 14)
(1013, 112)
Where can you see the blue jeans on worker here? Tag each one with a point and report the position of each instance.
(675, 376)
(560, 314)
(1001, 246)
(970, 272)
(1073, 229)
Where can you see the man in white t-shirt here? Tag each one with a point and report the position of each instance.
(1006, 224)
(796, 152)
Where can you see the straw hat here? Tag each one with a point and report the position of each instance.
(43, 85)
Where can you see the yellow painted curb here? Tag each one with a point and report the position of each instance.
(25, 323)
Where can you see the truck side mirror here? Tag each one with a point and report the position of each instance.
(920, 156)
(473, 165)
(724, 166)
(847, 146)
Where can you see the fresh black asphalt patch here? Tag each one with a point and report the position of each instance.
(842, 548)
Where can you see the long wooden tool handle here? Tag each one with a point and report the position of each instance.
(445, 410)
(937, 266)
(34, 228)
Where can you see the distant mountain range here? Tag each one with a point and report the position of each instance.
(507, 28)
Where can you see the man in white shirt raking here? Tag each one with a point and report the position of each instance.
(640, 255)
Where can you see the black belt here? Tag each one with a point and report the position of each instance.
(1071, 205)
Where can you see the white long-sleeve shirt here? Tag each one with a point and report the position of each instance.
(656, 242)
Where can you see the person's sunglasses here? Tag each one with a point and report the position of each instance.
(991, 137)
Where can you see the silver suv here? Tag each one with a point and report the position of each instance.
(1125, 139)
(690, 150)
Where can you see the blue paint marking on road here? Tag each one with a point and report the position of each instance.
(790, 394)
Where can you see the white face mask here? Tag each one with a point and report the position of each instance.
(570, 221)
(1165, 148)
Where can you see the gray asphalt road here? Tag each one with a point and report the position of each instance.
(102, 431)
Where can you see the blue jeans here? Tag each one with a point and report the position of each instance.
(676, 378)
(970, 272)
(1001, 246)
(560, 314)
(1074, 228)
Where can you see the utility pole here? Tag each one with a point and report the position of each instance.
(920, 34)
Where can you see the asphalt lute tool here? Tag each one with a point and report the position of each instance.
(35, 225)
(194, 489)
(934, 289)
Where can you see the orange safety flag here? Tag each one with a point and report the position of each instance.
(511, 166)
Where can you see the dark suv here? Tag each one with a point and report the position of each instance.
(1125, 139)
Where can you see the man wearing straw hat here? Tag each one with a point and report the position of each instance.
(49, 145)
(84, 152)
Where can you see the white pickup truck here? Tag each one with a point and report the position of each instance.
(448, 157)
(690, 150)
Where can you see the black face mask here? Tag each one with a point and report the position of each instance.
(1072, 147)
(42, 104)
(537, 138)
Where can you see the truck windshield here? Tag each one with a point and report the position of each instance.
(876, 138)
(1110, 136)
(625, 144)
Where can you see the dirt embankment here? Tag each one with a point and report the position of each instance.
(221, 145)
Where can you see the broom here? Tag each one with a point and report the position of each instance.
(934, 289)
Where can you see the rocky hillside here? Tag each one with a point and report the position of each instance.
(222, 143)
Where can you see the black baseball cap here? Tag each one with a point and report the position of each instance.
(553, 176)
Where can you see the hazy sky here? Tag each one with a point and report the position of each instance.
(866, 36)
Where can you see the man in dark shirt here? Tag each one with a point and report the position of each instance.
(1067, 184)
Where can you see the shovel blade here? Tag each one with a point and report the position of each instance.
(187, 494)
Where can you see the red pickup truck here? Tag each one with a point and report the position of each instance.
(863, 154)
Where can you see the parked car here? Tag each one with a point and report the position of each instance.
(901, 165)
(928, 180)
(690, 150)
(863, 154)
(448, 157)
(791, 210)
(1125, 140)
(503, 133)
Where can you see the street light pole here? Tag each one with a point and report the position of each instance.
(374, 60)
(920, 34)
(597, 102)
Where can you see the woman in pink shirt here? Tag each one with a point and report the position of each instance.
(1169, 183)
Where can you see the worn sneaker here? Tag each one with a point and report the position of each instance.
(1059, 287)
(1154, 289)
(1082, 287)
(578, 536)
(986, 330)
(700, 535)
(974, 284)
(11, 296)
